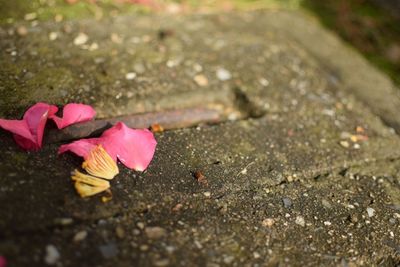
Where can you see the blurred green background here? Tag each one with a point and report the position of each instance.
(371, 26)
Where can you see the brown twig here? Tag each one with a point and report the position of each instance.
(172, 119)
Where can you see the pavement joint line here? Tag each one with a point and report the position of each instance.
(168, 119)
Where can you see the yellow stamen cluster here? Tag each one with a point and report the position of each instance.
(100, 164)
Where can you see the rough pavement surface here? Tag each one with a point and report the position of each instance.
(305, 171)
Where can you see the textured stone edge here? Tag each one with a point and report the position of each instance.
(371, 86)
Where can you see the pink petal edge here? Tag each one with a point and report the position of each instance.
(81, 147)
(28, 132)
(36, 119)
(17, 127)
(74, 113)
(3, 262)
(134, 148)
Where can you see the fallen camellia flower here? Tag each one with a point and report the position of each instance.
(134, 148)
(28, 132)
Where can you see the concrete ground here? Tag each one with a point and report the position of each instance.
(302, 168)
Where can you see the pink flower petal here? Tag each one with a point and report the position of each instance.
(3, 262)
(28, 132)
(74, 113)
(134, 148)
(18, 127)
(36, 118)
(25, 143)
(81, 147)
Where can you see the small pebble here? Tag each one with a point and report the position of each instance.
(63, 93)
(345, 135)
(344, 144)
(67, 28)
(300, 221)
(81, 39)
(22, 31)
(144, 247)
(109, 250)
(353, 218)
(52, 255)
(328, 112)
(140, 225)
(268, 222)
(198, 244)
(79, 236)
(161, 263)
(139, 68)
(30, 16)
(172, 63)
(170, 249)
(256, 255)
(228, 259)
(146, 38)
(207, 194)
(326, 203)
(264, 82)
(63, 221)
(130, 76)
(53, 36)
(93, 46)
(136, 232)
(119, 231)
(197, 67)
(327, 223)
(155, 232)
(58, 18)
(177, 207)
(115, 38)
(223, 74)
(201, 80)
(287, 202)
(371, 212)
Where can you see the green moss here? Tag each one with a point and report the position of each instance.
(11, 11)
(365, 26)
(15, 10)
(21, 91)
(19, 158)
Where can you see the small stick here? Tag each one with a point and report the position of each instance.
(170, 119)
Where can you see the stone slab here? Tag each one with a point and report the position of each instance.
(286, 184)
